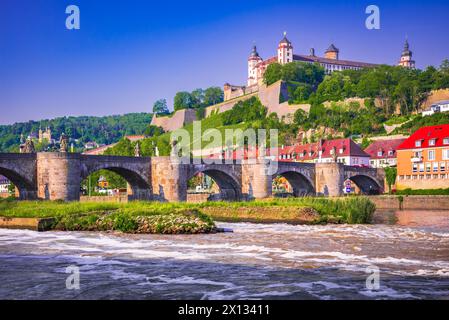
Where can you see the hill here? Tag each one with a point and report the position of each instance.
(102, 130)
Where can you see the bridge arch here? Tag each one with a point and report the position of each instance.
(302, 186)
(134, 175)
(230, 188)
(367, 184)
(27, 189)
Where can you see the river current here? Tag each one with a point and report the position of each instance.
(256, 261)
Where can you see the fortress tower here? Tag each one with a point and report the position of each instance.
(332, 52)
(253, 60)
(285, 50)
(406, 58)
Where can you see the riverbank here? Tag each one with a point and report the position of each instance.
(411, 202)
(181, 218)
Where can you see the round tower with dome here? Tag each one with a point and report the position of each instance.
(407, 57)
(253, 60)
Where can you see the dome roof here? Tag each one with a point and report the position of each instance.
(406, 51)
(254, 52)
(285, 40)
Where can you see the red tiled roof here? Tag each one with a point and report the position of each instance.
(385, 146)
(345, 147)
(439, 133)
(134, 138)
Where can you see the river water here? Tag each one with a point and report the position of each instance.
(256, 261)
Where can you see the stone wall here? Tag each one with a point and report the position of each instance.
(227, 105)
(411, 202)
(270, 96)
(102, 199)
(176, 121)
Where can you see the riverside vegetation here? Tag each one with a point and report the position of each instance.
(186, 218)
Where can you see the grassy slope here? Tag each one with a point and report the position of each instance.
(212, 122)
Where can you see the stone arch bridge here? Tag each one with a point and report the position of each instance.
(57, 176)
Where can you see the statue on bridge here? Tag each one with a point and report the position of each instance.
(334, 154)
(137, 152)
(63, 143)
(29, 146)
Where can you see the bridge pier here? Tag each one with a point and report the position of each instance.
(169, 179)
(329, 179)
(58, 176)
(256, 180)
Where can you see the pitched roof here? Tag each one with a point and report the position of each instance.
(345, 148)
(332, 48)
(298, 57)
(385, 146)
(425, 134)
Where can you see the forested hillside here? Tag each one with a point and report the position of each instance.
(103, 130)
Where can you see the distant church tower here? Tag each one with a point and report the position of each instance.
(253, 60)
(406, 58)
(285, 50)
(45, 135)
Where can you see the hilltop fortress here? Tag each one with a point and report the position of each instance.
(275, 97)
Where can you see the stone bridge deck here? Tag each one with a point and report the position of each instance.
(57, 176)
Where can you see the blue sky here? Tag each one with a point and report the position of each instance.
(128, 54)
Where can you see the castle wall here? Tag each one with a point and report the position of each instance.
(176, 121)
(270, 96)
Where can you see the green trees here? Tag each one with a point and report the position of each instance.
(213, 95)
(245, 111)
(198, 98)
(391, 86)
(272, 74)
(390, 177)
(160, 107)
(103, 130)
(299, 72)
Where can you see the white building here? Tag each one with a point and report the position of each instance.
(4, 185)
(441, 106)
(330, 62)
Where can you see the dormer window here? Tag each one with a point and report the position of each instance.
(380, 153)
(418, 143)
(391, 153)
(432, 142)
(341, 150)
(446, 141)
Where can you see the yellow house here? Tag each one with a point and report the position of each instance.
(423, 159)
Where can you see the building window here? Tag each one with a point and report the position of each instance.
(446, 141)
(435, 166)
(415, 167)
(421, 167)
(379, 153)
(418, 143)
(391, 153)
(431, 142)
(431, 155)
(442, 166)
(428, 166)
(445, 154)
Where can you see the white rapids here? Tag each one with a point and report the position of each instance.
(257, 261)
